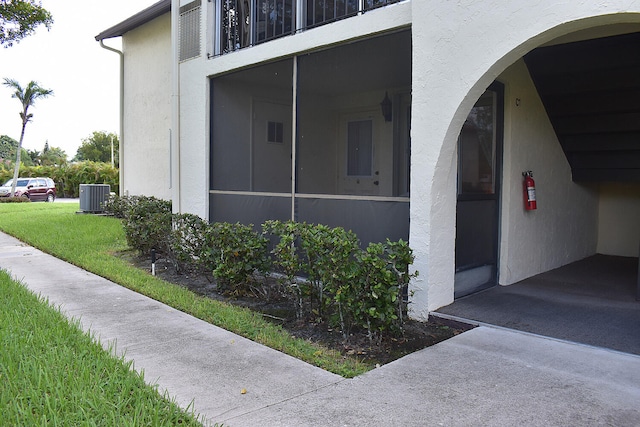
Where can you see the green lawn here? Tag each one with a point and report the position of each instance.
(88, 242)
(52, 373)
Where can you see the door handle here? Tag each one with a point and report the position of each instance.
(376, 182)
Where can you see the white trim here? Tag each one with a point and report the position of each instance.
(294, 137)
(176, 195)
(252, 115)
(314, 196)
(349, 197)
(215, 32)
(250, 193)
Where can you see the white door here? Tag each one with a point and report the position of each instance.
(479, 170)
(358, 163)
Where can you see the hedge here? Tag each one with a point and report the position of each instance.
(68, 177)
(323, 271)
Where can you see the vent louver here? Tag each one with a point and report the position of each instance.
(190, 30)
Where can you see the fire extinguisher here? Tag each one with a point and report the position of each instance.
(529, 188)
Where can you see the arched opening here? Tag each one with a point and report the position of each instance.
(571, 116)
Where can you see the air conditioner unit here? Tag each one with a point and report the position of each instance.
(93, 197)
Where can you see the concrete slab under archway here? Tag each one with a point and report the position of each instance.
(592, 301)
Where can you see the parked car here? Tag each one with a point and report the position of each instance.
(35, 189)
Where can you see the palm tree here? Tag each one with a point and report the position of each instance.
(27, 96)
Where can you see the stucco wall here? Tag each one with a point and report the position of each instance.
(192, 196)
(564, 228)
(147, 109)
(619, 220)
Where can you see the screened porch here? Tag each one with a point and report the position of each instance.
(321, 138)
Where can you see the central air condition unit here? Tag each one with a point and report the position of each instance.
(93, 197)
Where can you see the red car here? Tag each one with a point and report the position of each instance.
(35, 189)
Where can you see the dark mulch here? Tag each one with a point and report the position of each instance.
(417, 335)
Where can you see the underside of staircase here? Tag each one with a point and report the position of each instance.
(591, 91)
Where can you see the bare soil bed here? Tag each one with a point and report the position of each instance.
(417, 335)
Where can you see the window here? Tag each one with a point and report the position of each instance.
(275, 132)
(477, 148)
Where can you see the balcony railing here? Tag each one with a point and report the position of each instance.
(244, 23)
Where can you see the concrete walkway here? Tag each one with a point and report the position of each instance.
(484, 377)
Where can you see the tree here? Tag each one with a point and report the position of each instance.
(27, 97)
(52, 156)
(8, 147)
(19, 19)
(97, 148)
(31, 157)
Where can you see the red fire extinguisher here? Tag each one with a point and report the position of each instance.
(529, 187)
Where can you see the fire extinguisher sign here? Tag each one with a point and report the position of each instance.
(529, 191)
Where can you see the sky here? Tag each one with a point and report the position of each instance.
(84, 77)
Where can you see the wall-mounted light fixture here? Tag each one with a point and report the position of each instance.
(385, 105)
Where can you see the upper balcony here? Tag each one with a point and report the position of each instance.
(244, 23)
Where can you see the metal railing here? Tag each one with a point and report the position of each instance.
(244, 23)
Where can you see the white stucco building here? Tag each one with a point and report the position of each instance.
(247, 110)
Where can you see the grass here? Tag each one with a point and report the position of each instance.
(51, 373)
(89, 241)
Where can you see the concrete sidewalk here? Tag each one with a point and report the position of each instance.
(484, 377)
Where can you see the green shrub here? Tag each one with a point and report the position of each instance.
(147, 225)
(240, 253)
(330, 265)
(288, 261)
(374, 296)
(345, 285)
(14, 200)
(118, 206)
(377, 299)
(400, 257)
(189, 251)
(322, 270)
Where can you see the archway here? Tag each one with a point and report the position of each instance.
(431, 215)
